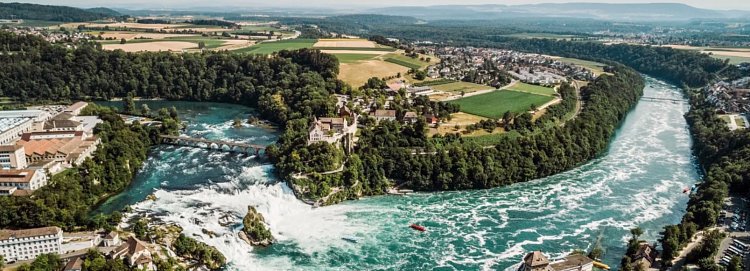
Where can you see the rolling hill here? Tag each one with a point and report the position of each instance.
(603, 11)
(53, 13)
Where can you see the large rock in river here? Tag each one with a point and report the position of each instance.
(255, 232)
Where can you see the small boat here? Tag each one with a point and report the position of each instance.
(684, 191)
(350, 239)
(417, 227)
(601, 265)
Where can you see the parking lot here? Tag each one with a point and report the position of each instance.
(733, 220)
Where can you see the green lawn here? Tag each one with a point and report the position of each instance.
(412, 63)
(523, 87)
(265, 48)
(496, 103)
(596, 67)
(350, 58)
(466, 87)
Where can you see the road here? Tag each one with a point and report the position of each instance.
(679, 262)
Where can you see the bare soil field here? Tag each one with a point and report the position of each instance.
(738, 53)
(174, 46)
(235, 44)
(134, 35)
(357, 73)
(360, 43)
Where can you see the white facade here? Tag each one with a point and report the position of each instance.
(28, 244)
(12, 128)
(23, 179)
(12, 157)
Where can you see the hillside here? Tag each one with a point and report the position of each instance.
(631, 12)
(53, 13)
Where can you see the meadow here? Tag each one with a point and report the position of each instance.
(456, 87)
(533, 89)
(496, 103)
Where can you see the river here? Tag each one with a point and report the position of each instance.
(637, 182)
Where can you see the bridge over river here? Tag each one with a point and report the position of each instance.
(218, 145)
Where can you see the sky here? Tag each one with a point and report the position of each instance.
(176, 4)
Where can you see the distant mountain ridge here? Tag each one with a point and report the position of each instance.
(53, 13)
(604, 11)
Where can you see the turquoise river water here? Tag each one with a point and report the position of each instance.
(637, 182)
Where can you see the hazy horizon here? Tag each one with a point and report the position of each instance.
(336, 4)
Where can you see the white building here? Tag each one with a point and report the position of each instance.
(135, 253)
(13, 123)
(25, 179)
(75, 109)
(12, 128)
(19, 245)
(12, 157)
(381, 115)
(333, 131)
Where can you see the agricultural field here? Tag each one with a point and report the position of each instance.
(595, 67)
(345, 43)
(533, 89)
(496, 103)
(265, 48)
(154, 46)
(357, 73)
(735, 55)
(127, 35)
(412, 63)
(457, 87)
(174, 43)
(351, 58)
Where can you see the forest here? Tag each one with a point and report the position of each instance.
(291, 85)
(53, 13)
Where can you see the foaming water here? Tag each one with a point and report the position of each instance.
(638, 182)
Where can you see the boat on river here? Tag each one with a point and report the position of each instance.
(417, 227)
(350, 239)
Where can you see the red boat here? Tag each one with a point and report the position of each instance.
(417, 227)
(684, 191)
